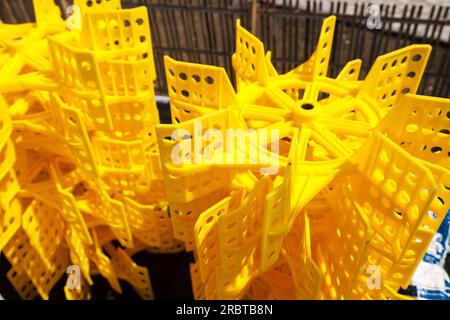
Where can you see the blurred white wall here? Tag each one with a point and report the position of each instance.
(427, 4)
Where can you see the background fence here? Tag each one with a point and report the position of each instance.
(203, 31)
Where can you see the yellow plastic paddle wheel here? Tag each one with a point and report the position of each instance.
(311, 213)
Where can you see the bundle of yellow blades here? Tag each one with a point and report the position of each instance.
(288, 186)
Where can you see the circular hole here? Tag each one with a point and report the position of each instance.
(89, 3)
(183, 76)
(405, 90)
(139, 21)
(307, 106)
(351, 71)
(394, 63)
(391, 186)
(185, 93)
(171, 72)
(101, 25)
(417, 57)
(196, 77)
(231, 225)
(209, 80)
(436, 149)
(142, 38)
(411, 128)
(411, 74)
(327, 29)
(378, 175)
(86, 65)
(384, 67)
(325, 45)
(113, 24)
(393, 93)
(404, 59)
(127, 23)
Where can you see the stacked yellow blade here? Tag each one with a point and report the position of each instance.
(79, 165)
(292, 186)
(360, 186)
